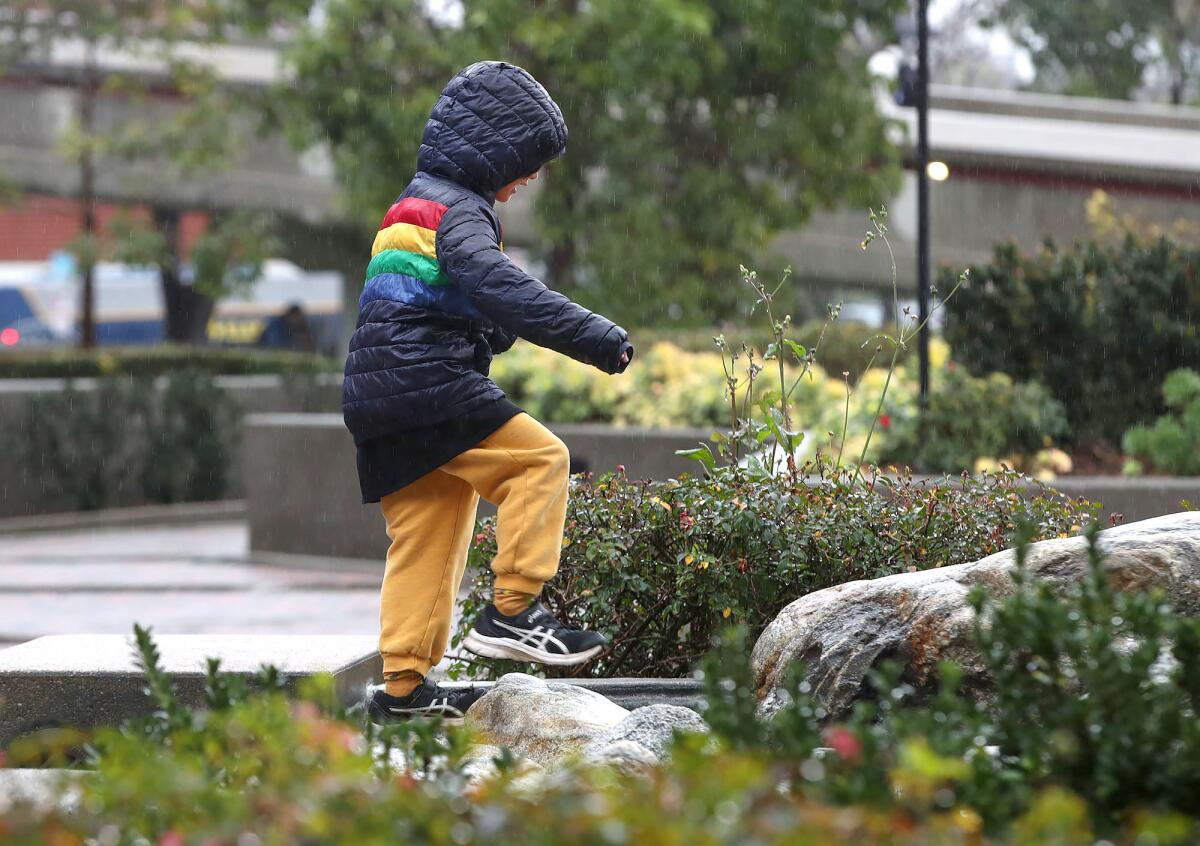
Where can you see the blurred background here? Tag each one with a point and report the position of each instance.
(188, 193)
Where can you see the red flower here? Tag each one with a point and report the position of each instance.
(885, 421)
(844, 743)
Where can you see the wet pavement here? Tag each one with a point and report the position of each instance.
(179, 580)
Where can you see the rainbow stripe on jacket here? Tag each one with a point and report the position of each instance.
(404, 267)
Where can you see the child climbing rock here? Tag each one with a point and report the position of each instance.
(433, 433)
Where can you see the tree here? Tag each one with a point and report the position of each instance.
(698, 130)
(205, 132)
(1110, 49)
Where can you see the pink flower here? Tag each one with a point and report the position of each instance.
(171, 838)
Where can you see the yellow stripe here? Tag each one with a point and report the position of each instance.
(408, 237)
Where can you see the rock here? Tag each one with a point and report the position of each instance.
(625, 755)
(652, 728)
(479, 764)
(541, 720)
(41, 790)
(922, 618)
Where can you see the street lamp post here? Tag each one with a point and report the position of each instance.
(922, 99)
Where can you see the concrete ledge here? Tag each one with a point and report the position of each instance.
(177, 514)
(1135, 497)
(84, 681)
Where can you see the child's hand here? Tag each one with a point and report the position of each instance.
(626, 357)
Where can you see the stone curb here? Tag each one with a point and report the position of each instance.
(176, 514)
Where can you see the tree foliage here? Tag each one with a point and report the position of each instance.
(697, 130)
(1107, 50)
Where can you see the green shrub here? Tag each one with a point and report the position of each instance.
(660, 566)
(968, 418)
(1091, 323)
(81, 444)
(158, 360)
(126, 439)
(1172, 443)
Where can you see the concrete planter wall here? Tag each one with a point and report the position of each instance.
(23, 486)
(302, 487)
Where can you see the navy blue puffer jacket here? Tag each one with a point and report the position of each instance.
(441, 297)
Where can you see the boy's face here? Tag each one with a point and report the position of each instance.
(503, 195)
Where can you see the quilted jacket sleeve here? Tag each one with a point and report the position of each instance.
(469, 251)
(499, 340)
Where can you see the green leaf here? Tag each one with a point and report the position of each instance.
(798, 350)
(702, 453)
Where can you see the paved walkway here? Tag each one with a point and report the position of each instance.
(180, 580)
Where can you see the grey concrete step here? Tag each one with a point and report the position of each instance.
(88, 680)
(630, 693)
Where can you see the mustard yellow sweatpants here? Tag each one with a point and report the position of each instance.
(523, 469)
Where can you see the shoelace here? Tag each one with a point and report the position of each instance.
(543, 614)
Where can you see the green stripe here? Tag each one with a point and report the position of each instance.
(411, 264)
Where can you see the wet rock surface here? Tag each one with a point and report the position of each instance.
(541, 720)
(549, 722)
(922, 618)
(652, 728)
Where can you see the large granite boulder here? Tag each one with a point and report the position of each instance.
(922, 618)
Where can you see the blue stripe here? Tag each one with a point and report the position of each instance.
(402, 288)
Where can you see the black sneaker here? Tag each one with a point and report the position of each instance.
(533, 635)
(429, 700)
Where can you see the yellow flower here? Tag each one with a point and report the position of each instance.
(566, 542)
(688, 559)
(726, 613)
(703, 565)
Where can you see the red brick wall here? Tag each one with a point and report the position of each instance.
(36, 225)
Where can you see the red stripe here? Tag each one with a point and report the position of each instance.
(424, 213)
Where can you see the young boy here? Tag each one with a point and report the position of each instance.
(433, 432)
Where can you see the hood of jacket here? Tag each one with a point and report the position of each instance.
(492, 124)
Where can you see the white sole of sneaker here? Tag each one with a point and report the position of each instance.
(503, 647)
